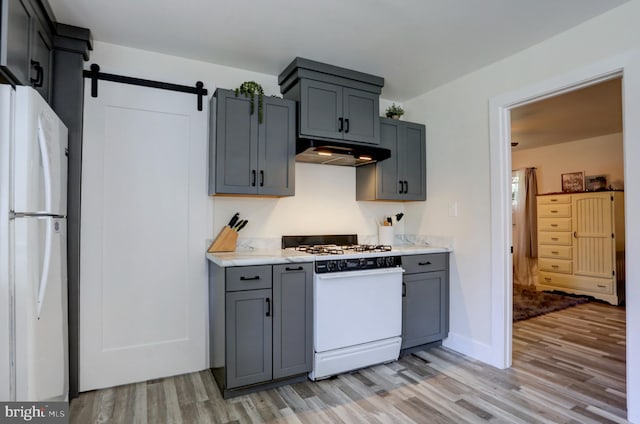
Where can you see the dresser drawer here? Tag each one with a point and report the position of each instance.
(555, 265)
(554, 252)
(576, 283)
(424, 263)
(554, 199)
(554, 224)
(248, 277)
(550, 237)
(554, 211)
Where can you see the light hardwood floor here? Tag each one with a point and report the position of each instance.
(568, 367)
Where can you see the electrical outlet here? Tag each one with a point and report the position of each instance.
(453, 209)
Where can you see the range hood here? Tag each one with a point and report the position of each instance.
(338, 153)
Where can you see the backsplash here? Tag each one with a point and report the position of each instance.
(324, 203)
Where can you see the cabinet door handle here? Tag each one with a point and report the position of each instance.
(253, 178)
(424, 263)
(404, 290)
(257, 277)
(39, 79)
(401, 187)
(346, 121)
(268, 307)
(298, 268)
(406, 187)
(341, 124)
(261, 178)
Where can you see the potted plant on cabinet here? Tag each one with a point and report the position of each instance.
(394, 112)
(250, 89)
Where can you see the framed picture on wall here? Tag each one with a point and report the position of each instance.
(572, 182)
(595, 182)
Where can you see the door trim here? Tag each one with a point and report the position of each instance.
(628, 66)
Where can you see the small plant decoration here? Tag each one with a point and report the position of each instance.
(250, 89)
(394, 111)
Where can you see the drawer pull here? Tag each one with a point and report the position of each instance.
(555, 266)
(554, 225)
(547, 279)
(257, 277)
(554, 200)
(555, 253)
(554, 211)
(298, 268)
(424, 263)
(602, 286)
(554, 238)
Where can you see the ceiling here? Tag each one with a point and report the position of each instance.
(416, 45)
(589, 112)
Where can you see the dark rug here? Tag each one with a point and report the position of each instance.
(529, 303)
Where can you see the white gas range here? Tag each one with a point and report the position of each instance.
(357, 303)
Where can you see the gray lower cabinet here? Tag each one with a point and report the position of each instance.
(404, 175)
(248, 156)
(268, 325)
(425, 299)
(25, 45)
(248, 351)
(292, 319)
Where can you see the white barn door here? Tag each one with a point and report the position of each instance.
(143, 275)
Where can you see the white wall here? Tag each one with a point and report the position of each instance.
(325, 195)
(458, 161)
(594, 156)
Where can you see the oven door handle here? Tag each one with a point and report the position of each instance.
(365, 272)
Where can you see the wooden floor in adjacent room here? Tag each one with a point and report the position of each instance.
(568, 367)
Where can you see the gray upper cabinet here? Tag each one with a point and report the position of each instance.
(401, 177)
(248, 156)
(361, 120)
(292, 319)
(331, 111)
(334, 103)
(25, 45)
(41, 63)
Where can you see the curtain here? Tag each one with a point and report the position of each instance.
(525, 229)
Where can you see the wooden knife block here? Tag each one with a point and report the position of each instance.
(225, 242)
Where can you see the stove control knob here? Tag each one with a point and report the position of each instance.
(389, 261)
(331, 266)
(341, 265)
(362, 263)
(380, 262)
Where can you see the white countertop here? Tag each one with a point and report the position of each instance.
(272, 257)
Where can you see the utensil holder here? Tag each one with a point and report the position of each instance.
(225, 241)
(386, 235)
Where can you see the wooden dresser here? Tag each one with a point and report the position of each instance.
(581, 244)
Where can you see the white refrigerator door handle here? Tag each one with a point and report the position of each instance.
(46, 263)
(46, 166)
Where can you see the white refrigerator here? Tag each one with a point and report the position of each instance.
(33, 264)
